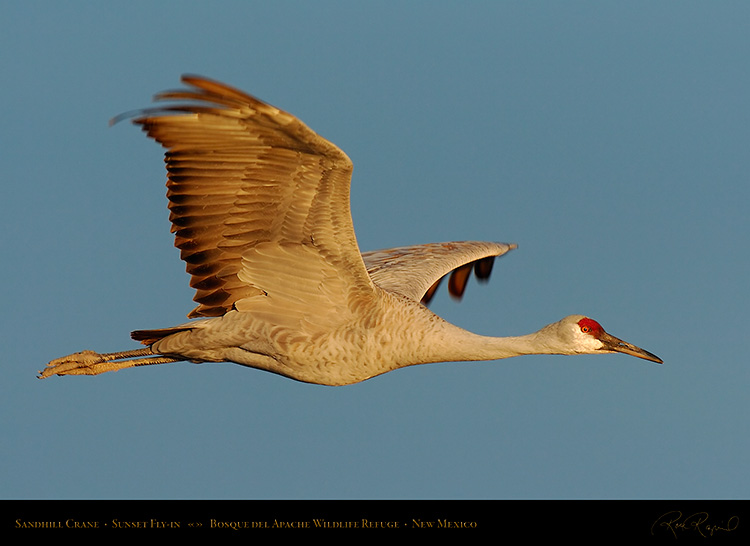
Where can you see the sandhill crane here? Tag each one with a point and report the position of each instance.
(260, 211)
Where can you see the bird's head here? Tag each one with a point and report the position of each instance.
(586, 336)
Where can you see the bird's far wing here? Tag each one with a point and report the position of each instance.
(255, 195)
(416, 271)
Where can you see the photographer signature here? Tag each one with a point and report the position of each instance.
(697, 522)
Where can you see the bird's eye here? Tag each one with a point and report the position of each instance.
(585, 329)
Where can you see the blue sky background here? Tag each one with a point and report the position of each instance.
(608, 139)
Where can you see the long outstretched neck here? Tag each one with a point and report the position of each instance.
(455, 344)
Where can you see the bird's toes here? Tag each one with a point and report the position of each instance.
(66, 364)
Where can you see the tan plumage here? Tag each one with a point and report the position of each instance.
(244, 176)
(259, 205)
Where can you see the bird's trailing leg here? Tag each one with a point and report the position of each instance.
(92, 363)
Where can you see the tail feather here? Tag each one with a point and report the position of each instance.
(149, 337)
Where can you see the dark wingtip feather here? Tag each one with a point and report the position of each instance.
(427, 298)
(459, 279)
(483, 268)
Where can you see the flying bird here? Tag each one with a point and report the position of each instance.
(259, 206)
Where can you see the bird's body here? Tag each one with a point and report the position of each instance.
(358, 346)
(260, 210)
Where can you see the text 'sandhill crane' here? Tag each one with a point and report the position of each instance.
(260, 211)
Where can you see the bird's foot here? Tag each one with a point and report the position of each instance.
(76, 364)
(92, 363)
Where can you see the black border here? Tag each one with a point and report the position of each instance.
(661, 520)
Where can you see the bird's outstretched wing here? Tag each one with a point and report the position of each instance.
(416, 271)
(259, 202)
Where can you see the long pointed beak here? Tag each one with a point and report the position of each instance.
(613, 344)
